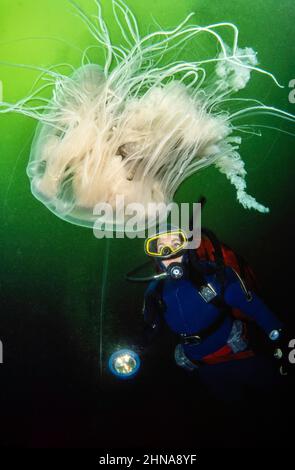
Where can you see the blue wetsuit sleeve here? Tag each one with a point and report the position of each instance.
(255, 308)
(152, 314)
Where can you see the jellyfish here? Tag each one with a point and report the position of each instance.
(141, 123)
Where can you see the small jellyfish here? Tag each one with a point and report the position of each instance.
(138, 125)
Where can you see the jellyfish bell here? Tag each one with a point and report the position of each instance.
(136, 128)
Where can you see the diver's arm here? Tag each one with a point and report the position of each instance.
(152, 321)
(153, 309)
(255, 308)
(150, 333)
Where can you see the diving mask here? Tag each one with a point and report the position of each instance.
(167, 244)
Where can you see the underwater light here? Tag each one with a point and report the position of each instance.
(124, 363)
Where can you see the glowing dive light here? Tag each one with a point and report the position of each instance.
(124, 363)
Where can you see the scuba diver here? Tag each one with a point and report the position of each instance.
(206, 297)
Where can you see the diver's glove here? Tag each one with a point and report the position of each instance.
(278, 337)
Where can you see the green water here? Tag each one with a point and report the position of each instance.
(52, 272)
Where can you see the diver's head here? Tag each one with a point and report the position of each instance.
(167, 246)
